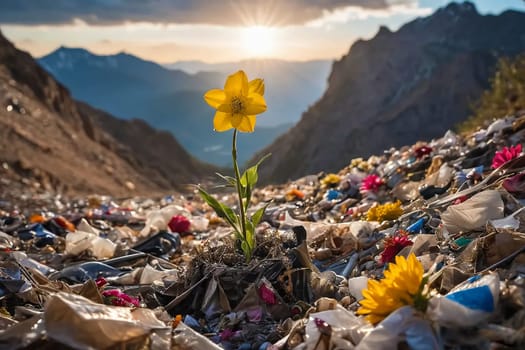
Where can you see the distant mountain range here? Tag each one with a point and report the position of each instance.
(397, 88)
(50, 142)
(171, 99)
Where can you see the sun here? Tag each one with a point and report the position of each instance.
(258, 41)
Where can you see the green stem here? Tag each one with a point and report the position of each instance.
(238, 177)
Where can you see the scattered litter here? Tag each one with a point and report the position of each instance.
(422, 247)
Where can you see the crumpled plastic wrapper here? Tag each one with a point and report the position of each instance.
(474, 212)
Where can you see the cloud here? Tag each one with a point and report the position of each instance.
(217, 12)
(350, 13)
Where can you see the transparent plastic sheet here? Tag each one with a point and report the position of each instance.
(74, 320)
(158, 219)
(185, 338)
(423, 244)
(215, 301)
(474, 212)
(22, 334)
(149, 275)
(346, 330)
(357, 228)
(404, 324)
(509, 222)
(441, 177)
(356, 286)
(87, 237)
(24, 260)
(468, 304)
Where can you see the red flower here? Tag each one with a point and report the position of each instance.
(422, 151)
(506, 154)
(371, 183)
(118, 298)
(267, 295)
(179, 223)
(101, 282)
(393, 245)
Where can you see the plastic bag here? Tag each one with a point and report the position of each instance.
(157, 220)
(345, 329)
(359, 229)
(86, 237)
(468, 304)
(473, 213)
(401, 325)
(81, 324)
(185, 338)
(356, 286)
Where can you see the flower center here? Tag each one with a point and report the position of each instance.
(237, 105)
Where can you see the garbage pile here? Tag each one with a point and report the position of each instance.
(327, 271)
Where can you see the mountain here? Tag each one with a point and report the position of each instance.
(171, 99)
(397, 88)
(120, 84)
(50, 142)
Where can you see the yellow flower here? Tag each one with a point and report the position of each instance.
(405, 274)
(331, 180)
(360, 164)
(387, 211)
(379, 301)
(402, 285)
(238, 103)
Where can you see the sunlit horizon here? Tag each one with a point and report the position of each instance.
(265, 31)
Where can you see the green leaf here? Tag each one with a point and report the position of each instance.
(246, 250)
(248, 196)
(228, 179)
(250, 176)
(249, 232)
(257, 216)
(222, 210)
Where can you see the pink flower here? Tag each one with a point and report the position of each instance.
(255, 315)
(118, 298)
(506, 154)
(460, 200)
(371, 183)
(179, 223)
(226, 334)
(267, 295)
(393, 245)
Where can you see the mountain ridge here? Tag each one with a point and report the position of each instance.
(397, 88)
(49, 142)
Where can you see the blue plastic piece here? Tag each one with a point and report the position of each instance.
(416, 227)
(333, 195)
(479, 298)
(265, 345)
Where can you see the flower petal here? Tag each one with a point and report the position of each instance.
(256, 86)
(237, 84)
(256, 104)
(243, 123)
(222, 121)
(215, 98)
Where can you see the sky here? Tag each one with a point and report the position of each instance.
(213, 31)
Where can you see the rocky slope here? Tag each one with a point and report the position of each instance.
(397, 88)
(50, 142)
